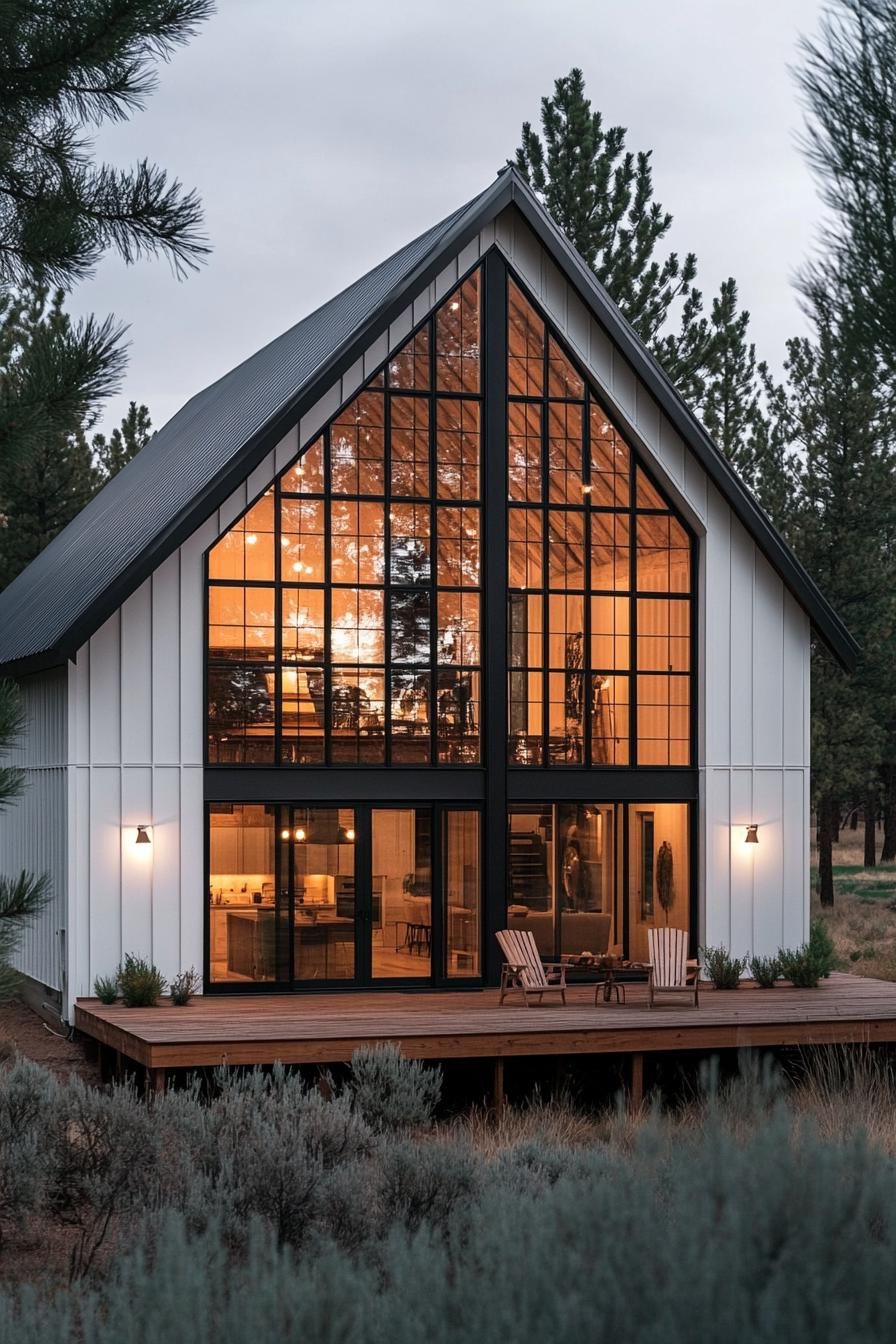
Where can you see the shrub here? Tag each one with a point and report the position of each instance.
(184, 986)
(393, 1093)
(140, 983)
(28, 1095)
(799, 966)
(102, 1149)
(765, 971)
(821, 945)
(427, 1182)
(105, 987)
(723, 970)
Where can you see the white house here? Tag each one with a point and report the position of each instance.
(439, 613)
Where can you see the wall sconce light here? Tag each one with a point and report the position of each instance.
(143, 836)
(350, 835)
(752, 836)
(284, 835)
(300, 833)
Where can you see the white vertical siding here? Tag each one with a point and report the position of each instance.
(753, 658)
(33, 830)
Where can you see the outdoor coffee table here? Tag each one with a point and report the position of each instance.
(612, 968)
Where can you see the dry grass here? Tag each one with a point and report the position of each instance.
(862, 923)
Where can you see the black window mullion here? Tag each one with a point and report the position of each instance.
(278, 629)
(433, 588)
(328, 602)
(587, 690)
(632, 618)
(387, 577)
(546, 547)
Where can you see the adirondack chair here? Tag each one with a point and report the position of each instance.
(670, 971)
(524, 969)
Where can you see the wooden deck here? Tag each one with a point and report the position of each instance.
(326, 1029)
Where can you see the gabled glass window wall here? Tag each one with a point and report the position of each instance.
(600, 600)
(344, 606)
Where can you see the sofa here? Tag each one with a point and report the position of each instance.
(581, 930)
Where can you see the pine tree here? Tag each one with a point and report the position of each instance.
(841, 424)
(22, 897)
(56, 469)
(848, 78)
(67, 67)
(601, 196)
(730, 407)
(124, 443)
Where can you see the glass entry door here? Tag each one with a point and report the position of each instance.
(368, 895)
(402, 925)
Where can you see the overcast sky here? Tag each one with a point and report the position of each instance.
(324, 134)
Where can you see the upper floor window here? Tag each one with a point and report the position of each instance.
(600, 575)
(344, 606)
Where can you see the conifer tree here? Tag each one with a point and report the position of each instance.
(124, 443)
(22, 897)
(65, 69)
(841, 425)
(848, 78)
(601, 196)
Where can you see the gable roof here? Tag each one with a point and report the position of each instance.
(209, 447)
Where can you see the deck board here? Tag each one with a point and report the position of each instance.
(327, 1028)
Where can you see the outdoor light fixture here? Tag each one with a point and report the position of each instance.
(752, 836)
(300, 833)
(350, 834)
(284, 835)
(142, 836)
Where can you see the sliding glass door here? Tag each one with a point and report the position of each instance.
(317, 896)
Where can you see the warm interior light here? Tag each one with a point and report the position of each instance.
(752, 836)
(284, 835)
(586, 488)
(350, 834)
(300, 833)
(251, 539)
(142, 836)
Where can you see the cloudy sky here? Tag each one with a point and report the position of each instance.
(324, 134)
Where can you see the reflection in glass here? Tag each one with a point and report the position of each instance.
(457, 339)
(246, 932)
(596, 548)
(321, 843)
(401, 843)
(365, 553)
(461, 886)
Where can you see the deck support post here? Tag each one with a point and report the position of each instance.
(498, 1087)
(636, 1091)
(158, 1081)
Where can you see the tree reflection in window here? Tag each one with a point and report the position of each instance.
(600, 575)
(354, 581)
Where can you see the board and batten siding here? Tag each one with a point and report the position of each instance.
(33, 830)
(753, 655)
(136, 694)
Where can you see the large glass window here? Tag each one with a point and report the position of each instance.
(344, 606)
(245, 915)
(594, 877)
(600, 576)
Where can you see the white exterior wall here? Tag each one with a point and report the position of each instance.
(33, 830)
(752, 662)
(135, 724)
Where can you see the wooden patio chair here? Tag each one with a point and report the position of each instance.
(670, 971)
(524, 969)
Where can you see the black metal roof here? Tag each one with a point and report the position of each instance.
(208, 448)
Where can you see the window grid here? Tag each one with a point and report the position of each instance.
(420, 652)
(590, 705)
